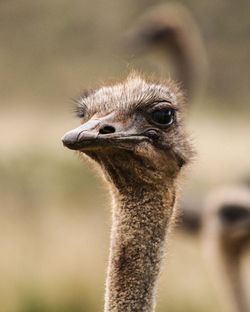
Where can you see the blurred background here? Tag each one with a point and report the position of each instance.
(54, 211)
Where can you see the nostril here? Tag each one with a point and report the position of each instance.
(106, 129)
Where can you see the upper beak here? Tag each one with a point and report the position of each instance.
(102, 132)
(72, 138)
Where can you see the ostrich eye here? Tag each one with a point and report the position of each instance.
(233, 213)
(163, 116)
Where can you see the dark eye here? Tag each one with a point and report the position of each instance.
(233, 213)
(163, 116)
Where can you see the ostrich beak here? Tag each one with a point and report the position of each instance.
(102, 132)
(72, 138)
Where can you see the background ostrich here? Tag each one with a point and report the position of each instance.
(134, 131)
(172, 30)
(226, 238)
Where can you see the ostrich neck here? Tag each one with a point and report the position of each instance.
(230, 260)
(181, 51)
(141, 218)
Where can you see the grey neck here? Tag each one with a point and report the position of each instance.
(140, 222)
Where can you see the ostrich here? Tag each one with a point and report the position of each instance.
(171, 28)
(226, 237)
(134, 131)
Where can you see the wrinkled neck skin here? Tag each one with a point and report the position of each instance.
(143, 206)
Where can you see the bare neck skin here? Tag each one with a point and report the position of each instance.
(140, 220)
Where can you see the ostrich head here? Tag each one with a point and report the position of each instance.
(133, 130)
(229, 210)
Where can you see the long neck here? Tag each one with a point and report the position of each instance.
(171, 29)
(225, 264)
(141, 218)
(230, 260)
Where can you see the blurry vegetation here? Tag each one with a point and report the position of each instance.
(54, 212)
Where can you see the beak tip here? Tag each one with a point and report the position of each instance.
(67, 140)
(63, 139)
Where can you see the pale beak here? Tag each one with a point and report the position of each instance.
(72, 138)
(102, 132)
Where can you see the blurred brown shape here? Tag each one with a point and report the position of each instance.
(226, 239)
(190, 215)
(171, 28)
